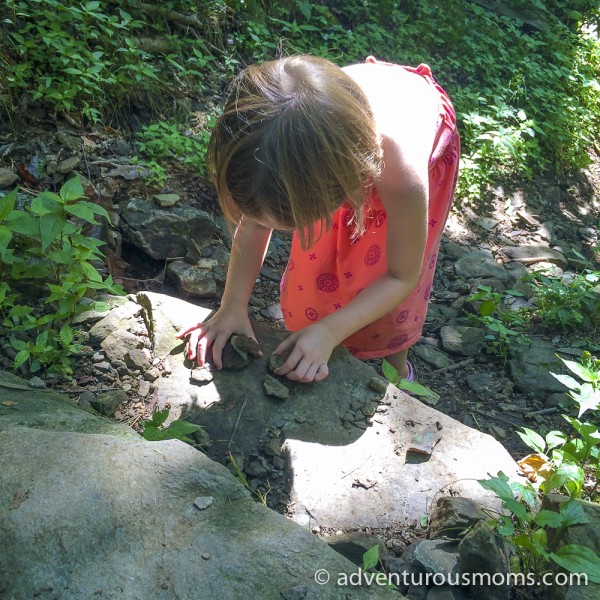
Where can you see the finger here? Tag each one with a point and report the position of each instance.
(183, 332)
(290, 364)
(310, 374)
(217, 352)
(300, 372)
(203, 344)
(285, 345)
(322, 372)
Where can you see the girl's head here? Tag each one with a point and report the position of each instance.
(296, 139)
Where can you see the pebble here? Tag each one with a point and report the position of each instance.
(7, 178)
(203, 502)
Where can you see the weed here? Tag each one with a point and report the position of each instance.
(506, 326)
(44, 241)
(391, 374)
(533, 534)
(262, 496)
(162, 140)
(154, 430)
(571, 302)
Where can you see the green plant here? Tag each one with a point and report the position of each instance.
(154, 430)
(499, 320)
(570, 463)
(413, 387)
(534, 534)
(44, 241)
(73, 56)
(569, 302)
(262, 497)
(162, 140)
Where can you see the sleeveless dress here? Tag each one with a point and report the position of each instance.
(325, 277)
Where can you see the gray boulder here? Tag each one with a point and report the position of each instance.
(165, 233)
(89, 509)
(531, 366)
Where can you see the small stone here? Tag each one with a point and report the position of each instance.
(36, 383)
(273, 447)
(201, 375)
(298, 592)
(256, 469)
(68, 165)
(275, 388)
(205, 555)
(203, 502)
(144, 388)
(107, 403)
(379, 384)
(7, 178)
(166, 200)
(98, 357)
(275, 361)
(103, 366)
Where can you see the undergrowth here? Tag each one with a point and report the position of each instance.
(524, 81)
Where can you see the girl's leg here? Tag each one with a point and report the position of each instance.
(398, 361)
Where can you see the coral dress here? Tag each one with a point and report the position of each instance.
(322, 279)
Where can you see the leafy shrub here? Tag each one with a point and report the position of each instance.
(44, 242)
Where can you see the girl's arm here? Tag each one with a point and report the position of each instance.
(249, 247)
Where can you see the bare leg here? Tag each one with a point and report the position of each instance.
(398, 361)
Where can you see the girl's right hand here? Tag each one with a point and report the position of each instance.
(215, 332)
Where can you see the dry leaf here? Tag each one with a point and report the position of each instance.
(9, 403)
(535, 467)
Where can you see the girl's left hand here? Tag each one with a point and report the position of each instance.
(312, 348)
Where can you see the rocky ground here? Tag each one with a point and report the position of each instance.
(495, 243)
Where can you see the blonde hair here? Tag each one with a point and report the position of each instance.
(295, 140)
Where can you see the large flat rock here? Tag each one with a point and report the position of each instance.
(342, 473)
(109, 515)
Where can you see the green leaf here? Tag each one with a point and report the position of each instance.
(416, 388)
(578, 559)
(573, 513)
(159, 416)
(579, 370)
(66, 335)
(555, 439)
(21, 222)
(181, 428)
(50, 230)
(499, 485)
(589, 398)
(567, 380)
(153, 434)
(18, 344)
(565, 474)
(90, 272)
(21, 358)
(371, 558)
(82, 210)
(549, 518)
(5, 237)
(488, 307)
(7, 204)
(389, 371)
(72, 190)
(533, 440)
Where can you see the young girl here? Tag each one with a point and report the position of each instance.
(361, 163)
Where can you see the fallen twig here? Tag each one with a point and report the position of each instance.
(543, 411)
(455, 366)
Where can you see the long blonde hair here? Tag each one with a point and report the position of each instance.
(295, 140)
